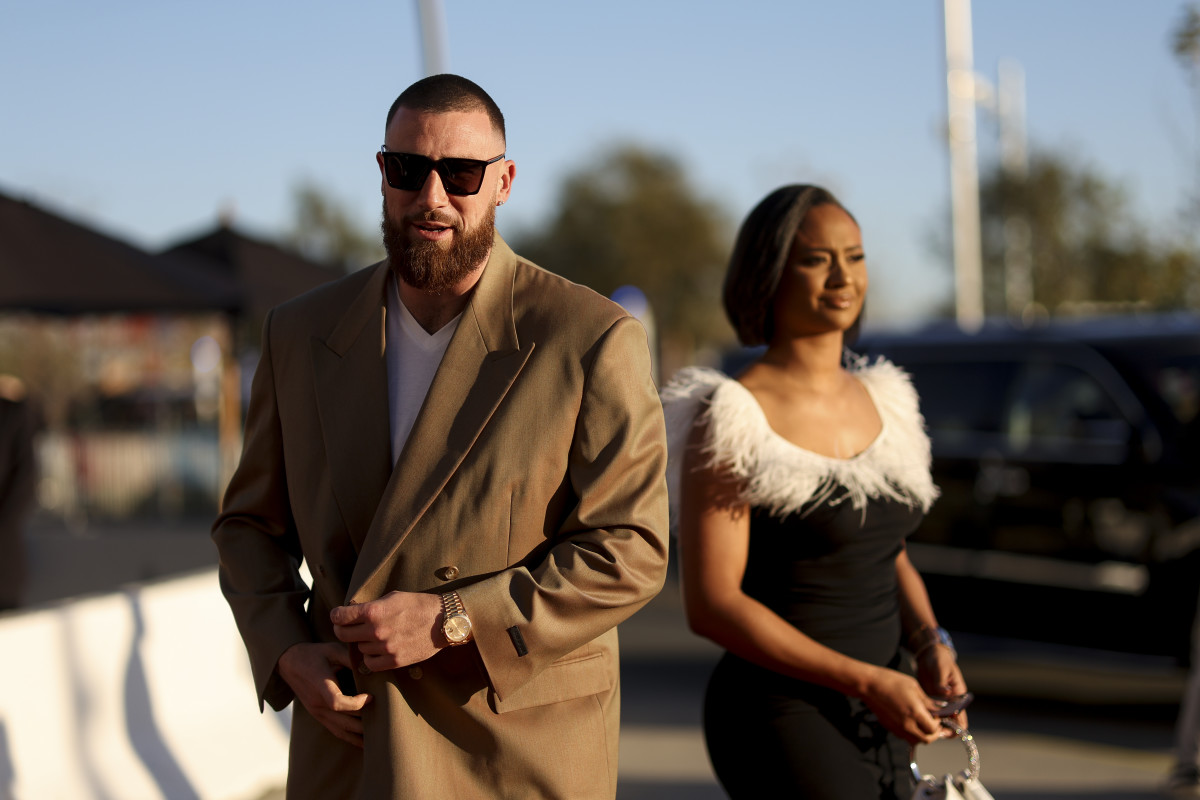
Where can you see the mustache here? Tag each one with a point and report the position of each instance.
(431, 216)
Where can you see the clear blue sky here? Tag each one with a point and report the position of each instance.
(146, 118)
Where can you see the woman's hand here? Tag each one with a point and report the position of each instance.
(938, 672)
(940, 677)
(902, 707)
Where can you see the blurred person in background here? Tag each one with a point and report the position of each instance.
(799, 481)
(1184, 780)
(18, 485)
(468, 452)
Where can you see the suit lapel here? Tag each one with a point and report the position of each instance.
(352, 398)
(481, 363)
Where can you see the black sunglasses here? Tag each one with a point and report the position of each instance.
(408, 171)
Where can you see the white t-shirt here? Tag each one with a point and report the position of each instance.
(413, 356)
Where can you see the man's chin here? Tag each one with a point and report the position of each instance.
(429, 249)
(435, 265)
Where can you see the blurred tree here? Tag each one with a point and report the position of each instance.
(633, 218)
(1185, 45)
(325, 231)
(47, 354)
(1084, 244)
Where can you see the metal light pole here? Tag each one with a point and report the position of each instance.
(964, 167)
(1014, 159)
(433, 36)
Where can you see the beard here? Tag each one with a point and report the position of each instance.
(429, 266)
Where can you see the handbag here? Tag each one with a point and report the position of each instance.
(964, 785)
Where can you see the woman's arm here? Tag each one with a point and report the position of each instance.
(937, 665)
(714, 537)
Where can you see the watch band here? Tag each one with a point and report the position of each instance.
(456, 625)
(452, 604)
(926, 637)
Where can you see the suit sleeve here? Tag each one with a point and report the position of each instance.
(611, 554)
(18, 468)
(257, 542)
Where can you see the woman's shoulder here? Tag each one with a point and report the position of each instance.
(727, 408)
(737, 440)
(719, 403)
(697, 387)
(878, 370)
(903, 451)
(890, 386)
(682, 398)
(691, 383)
(690, 394)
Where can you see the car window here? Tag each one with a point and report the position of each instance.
(963, 402)
(1177, 380)
(1042, 410)
(1058, 410)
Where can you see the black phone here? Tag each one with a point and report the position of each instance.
(953, 705)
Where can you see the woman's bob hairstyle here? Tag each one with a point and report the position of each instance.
(760, 254)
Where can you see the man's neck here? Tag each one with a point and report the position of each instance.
(433, 311)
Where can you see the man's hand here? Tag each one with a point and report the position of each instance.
(311, 670)
(396, 630)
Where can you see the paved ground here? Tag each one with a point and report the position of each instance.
(1046, 727)
(1049, 724)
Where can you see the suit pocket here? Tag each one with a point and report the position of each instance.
(561, 681)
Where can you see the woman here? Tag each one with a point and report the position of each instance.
(799, 482)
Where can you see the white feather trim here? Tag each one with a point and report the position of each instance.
(782, 477)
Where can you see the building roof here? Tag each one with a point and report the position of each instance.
(49, 263)
(265, 274)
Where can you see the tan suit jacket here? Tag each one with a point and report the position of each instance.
(532, 482)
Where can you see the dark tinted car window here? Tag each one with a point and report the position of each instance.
(963, 403)
(1067, 459)
(1176, 378)
(1060, 410)
(962, 397)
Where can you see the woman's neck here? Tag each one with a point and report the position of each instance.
(813, 360)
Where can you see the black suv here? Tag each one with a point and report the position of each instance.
(1068, 459)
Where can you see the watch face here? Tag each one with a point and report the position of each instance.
(457, 629)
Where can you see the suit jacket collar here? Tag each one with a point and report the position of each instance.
(350, 383)
(481, 362)
(491, 307)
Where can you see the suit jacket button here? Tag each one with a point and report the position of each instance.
(448, 573)
(415, 673)
(364, 669)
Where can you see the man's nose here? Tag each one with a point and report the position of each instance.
(433, 193)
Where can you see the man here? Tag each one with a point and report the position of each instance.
(1184, 778)
(468, 452)
(18, 488)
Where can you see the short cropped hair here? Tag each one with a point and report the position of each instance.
(759, 256)
(440, 94)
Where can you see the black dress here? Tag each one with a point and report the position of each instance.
(831, 574)
(824, 537)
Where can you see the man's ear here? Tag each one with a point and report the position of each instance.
(508, 173)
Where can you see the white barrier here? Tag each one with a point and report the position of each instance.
(144, 694)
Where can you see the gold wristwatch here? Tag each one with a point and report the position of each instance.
(456, 625)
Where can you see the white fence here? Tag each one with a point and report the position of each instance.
(124, 474)
(144, 694)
